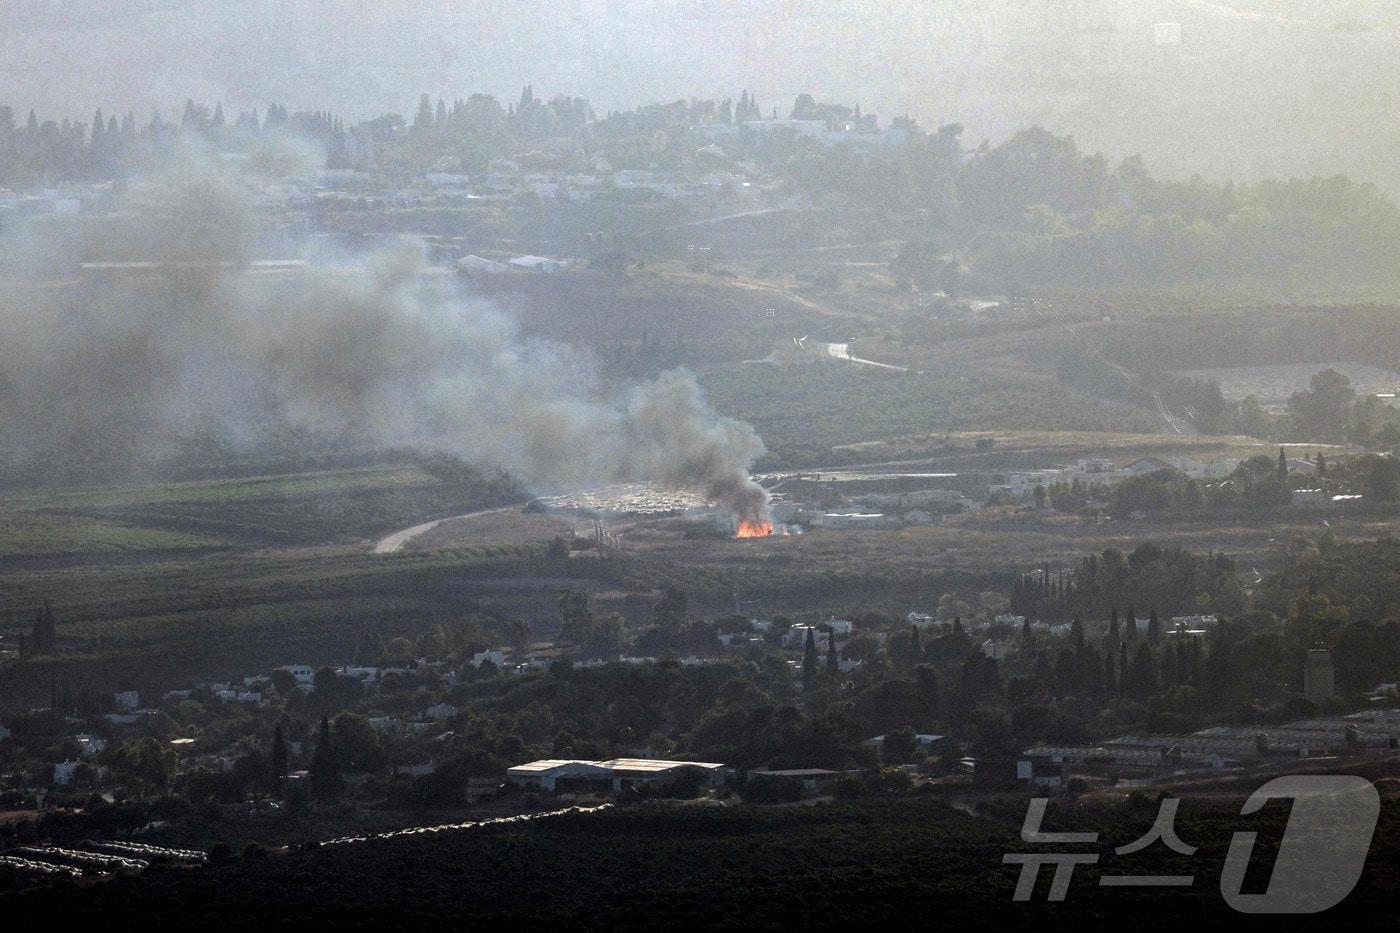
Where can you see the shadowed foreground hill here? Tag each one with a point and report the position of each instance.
(877, 862)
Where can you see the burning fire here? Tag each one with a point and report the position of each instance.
(761, 528)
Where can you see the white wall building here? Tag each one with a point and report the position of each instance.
(616, 774)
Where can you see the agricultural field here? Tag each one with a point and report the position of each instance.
(805, 412)
(161, 623)
(337, 506)
(1274, 384)
(959, 451)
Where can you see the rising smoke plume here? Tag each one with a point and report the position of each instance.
(121, 372)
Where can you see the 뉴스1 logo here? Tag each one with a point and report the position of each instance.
(1320, 858)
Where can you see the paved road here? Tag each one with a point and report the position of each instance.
(842, 351)
(398, 539)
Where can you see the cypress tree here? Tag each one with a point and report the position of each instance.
(927, 700)
(326, 780)
(45, 629)
(833, 663)
(278, 756)
(1043, 670)
(809, 658)
(1141, 679)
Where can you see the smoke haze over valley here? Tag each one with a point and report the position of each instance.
(117, 375)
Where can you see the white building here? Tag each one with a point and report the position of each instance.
(303, 673)
(927, 740)
(616, 774)
(89, 745)
(127, 699)
(874, 520)
(841, 627)
(796, 636)
(539, 264)
(361, 673)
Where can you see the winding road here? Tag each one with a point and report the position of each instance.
(396, 541)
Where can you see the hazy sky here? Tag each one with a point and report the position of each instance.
(1256, 86)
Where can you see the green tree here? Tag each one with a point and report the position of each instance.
(370, 652)
(809, 659)
(899, 745)
(1321, 413)
(278, 755)
(672, 611)
(327, 783)
(45, 632)
(148, 764)
(356, 743)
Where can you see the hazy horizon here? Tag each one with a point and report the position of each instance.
(1255, 88)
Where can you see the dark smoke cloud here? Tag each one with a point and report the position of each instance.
(122, 372)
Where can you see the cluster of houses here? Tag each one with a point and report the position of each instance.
(129, 712)
(1150, 757)
(860, 132)
(505, 180)
(709, 174)
(871, 511)
(1102, 472)
(999, 644)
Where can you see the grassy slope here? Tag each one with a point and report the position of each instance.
(305, 508)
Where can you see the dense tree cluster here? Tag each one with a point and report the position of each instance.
(1033, 210)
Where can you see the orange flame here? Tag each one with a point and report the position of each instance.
(753, 529)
